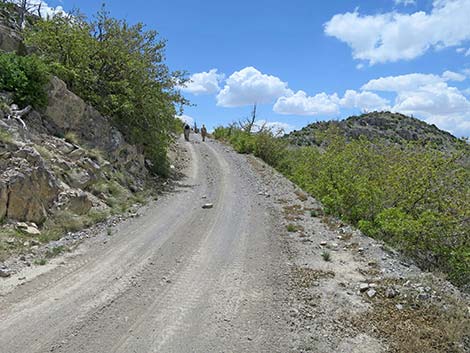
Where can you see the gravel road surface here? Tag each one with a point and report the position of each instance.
(180, 278)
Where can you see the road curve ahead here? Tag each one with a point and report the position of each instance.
(179, 278)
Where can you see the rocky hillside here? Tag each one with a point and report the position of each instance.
(392, 127)
(66, 169)
(10, 38)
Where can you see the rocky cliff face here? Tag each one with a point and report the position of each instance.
(68, 159)
(10, 38)
(66, 112)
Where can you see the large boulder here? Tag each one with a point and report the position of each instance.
(79, 203)
(68, 112)
(27, 188)
(10, 40)
(31, 193)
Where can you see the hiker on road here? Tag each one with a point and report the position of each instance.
(187, 129)
(203, 132)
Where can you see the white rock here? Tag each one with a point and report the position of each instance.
(391, 292)
(371, 293)
(28, 229)
(5, 272)
(363, 287)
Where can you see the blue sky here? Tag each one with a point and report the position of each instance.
(306, 60)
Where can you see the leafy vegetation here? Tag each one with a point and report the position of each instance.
(262, 144)
(26, 77)
(118, 68)
(411, 195)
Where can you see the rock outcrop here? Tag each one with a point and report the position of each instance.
(42, 173)
(66, 112)
(27, 188)
(10, 40)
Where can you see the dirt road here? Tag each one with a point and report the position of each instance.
(179, 278)
(263, 270)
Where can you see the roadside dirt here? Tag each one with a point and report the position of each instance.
(246, 275)
(351, 293)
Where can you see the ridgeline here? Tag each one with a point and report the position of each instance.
(384, 126)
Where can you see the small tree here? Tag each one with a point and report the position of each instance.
(249, 122)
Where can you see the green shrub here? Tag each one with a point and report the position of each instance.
(270, 149)
(242, 142)
(412, 196)
(326, 255)
(26, 77)
(291, 228)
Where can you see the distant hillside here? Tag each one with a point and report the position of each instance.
(392, 127)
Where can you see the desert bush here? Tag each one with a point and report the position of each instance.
(412, 196)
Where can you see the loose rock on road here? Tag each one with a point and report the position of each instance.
(181, 278)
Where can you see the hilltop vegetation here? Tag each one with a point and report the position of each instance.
(411, 195)
(385, 126)
(116, 67)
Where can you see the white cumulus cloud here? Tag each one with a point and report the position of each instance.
(429, 97)
(457, 125)
(204, 82)
(401, 82)
(453, 76)
(410, 81)
(364, 100)
(302, 104)
(437, 99)
(39, 7)
(394, 36)
(324, 104)
(249, 86)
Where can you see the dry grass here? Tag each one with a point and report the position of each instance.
(302, 196)
(72, 138)
(332, 223)
(44, 152)
(369, 272)
(305, 277)
(293, 210)
(12, 242)
(293, 213)
(282, 200)
(421, 326)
